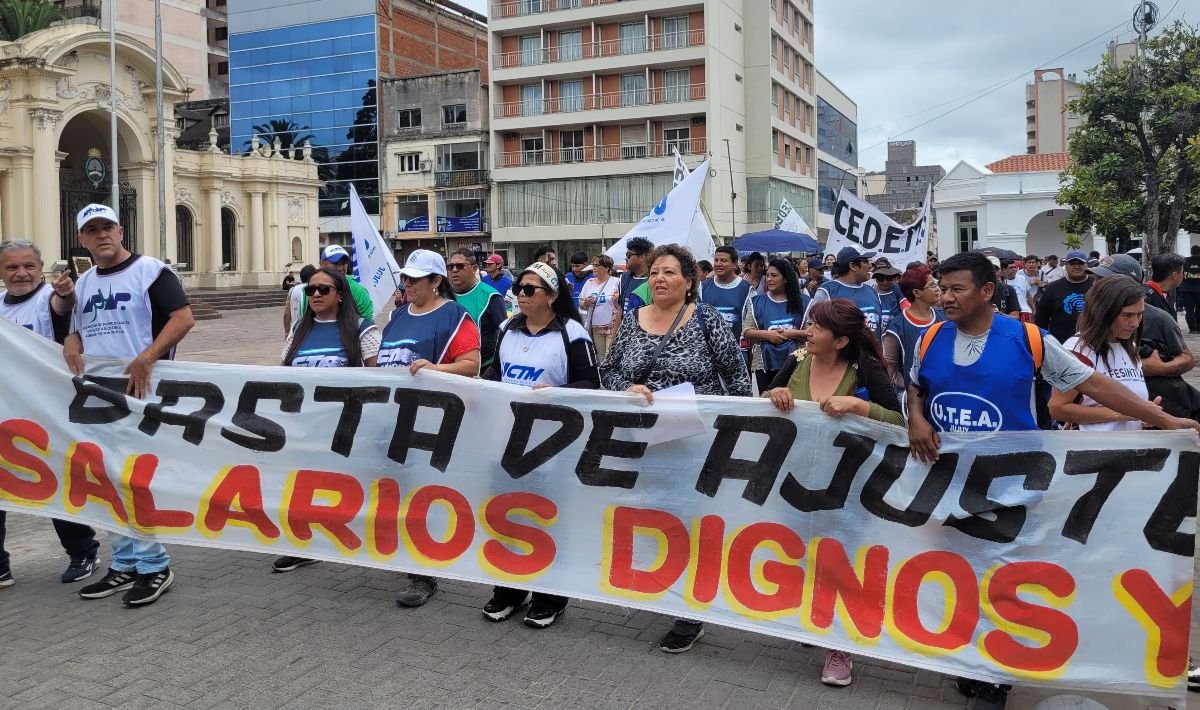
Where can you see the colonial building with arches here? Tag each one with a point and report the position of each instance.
(233, 221)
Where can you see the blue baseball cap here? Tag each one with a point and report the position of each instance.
(1075, 255)
(816, 264)
(848, 255)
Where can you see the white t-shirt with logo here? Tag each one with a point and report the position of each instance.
(527, 360)
(601, 312)
(31, 311)
(112, 312)
(1120, 367)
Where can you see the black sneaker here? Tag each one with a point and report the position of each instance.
(504, 603)
(541, 616)
(989, 696)
(420, 589)
(80, 569)
(6, 578)
(288, 563)
(148, 588)
(1193, 670)
(681, 638)
(112, 583)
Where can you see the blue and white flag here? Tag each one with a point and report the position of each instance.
(670, 221)
(374, 264)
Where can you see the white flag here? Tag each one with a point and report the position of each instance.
(863, 226)
(375, 266)
(700, 242)
(671, 220)
(789, 220)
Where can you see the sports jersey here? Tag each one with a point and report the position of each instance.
(502, 285)
(322, 347)
(439, 336)
(864, 296)
(486, 307)
(115, 314)
(729, 300)
(1120, 367)
(773, 315)
(31, 311)
(907, 331)
(890, 306)
(543, 359)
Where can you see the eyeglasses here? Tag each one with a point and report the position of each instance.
(323, 289)
(527, 290)
(457, 267)
(411, 279)
(629, 254)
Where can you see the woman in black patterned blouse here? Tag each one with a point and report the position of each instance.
(700, 349)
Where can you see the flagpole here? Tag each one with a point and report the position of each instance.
(162, 132)
(112, 107)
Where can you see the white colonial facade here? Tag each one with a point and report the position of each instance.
(232, 221)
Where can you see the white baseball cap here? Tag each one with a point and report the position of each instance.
(95, 211)
(334, 253)
(422, 263)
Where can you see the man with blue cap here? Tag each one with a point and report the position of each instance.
(1063, 300)
(336, 257)
(851, 271)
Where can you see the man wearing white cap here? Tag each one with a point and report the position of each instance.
(336, 257)
(130, 307)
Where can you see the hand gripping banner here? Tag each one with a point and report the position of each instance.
(1055, 558)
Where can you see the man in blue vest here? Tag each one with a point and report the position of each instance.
(977, 372)
(851, 271)
(729, 293)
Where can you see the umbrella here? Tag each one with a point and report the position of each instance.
(999, 253)
(776, 240)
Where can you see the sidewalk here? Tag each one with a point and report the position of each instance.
(231, 634)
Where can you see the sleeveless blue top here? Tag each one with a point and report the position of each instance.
(729, 302)
(865, 297)
(408, 337)
(995, 393)
(772, 315)
(890, 303)
(908, 333)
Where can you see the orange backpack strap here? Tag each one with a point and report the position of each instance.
(1033, 336)
(927, 339)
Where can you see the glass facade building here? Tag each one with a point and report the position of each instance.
(830, 180)
(836, 134)
(313, 82)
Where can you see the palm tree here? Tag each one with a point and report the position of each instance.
(287, 130)
(20, 17)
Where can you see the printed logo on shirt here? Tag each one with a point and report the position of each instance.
(319, 361)
(395, 354)
(517, 374)
(112, 302)
(962, 411)
(1074, 303)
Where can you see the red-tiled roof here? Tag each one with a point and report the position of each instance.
(1035, 163)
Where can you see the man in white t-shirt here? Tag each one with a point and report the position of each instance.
(45, 309)
(1051, 270)
(130, 307)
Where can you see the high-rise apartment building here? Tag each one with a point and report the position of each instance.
(1049, 122)
(309, 70)
(837, 150)
(590, 99)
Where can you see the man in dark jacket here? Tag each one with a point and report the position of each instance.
(1166, 273)
(1189, 291)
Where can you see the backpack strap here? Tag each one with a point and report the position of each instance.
(927, 339)
(1033, 338)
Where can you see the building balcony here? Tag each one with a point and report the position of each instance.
(603, 48)
(460, 178)
(602, 153)
(600, 101)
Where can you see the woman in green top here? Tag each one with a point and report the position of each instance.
(841, 369)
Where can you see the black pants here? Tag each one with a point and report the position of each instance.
(1191, 308)
(553, 601)
(764, 378)
(78, 540)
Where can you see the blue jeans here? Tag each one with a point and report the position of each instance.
(131, 554)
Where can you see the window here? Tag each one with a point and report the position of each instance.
(566, 4)
(677, 139)
(531, 50)
(774, 98)
(529, 7)
(460, 211)
(787, 61)
(787, 154)
(532, 151)
(675, 32)
(775, 142)
(408, 118)
(531, 99)
(633, 141)
(675, 85)
(571, 146)
(454, 115)
(408, 162)
(787, 15)
(221, 34)
(570, 45)
(633, 37)
(787, 108)
(570, 96)
(968, 230)
(774, 48)
(633, 89)
(457, 157)
(412, 213)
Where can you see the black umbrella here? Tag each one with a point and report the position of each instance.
(999, 253)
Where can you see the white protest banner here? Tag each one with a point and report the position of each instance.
(374, 265)
(789, 220)
(669, 221)
(700, 242)
(861, 225)
(1051, 558)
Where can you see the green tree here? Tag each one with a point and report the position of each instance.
(20, 17)
(1132, 171)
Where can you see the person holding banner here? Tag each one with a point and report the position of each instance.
(778, 311)
(982, 371)
(44, 309)
(430, 332)
(545, 345)
(599, 299)
(851, 271)
(675, 341)
(154, 319)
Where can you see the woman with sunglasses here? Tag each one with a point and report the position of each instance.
(331, 333)
(543, 346)
(430, 332)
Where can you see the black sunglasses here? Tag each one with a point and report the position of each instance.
(527, 290)
(457, 267)
(323, 289)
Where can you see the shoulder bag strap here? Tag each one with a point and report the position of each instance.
(662, 344)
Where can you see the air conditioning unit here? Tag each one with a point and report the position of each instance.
(426, 166)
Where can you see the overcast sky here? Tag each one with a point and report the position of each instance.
(905, 63)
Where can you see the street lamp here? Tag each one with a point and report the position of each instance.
(602, 218)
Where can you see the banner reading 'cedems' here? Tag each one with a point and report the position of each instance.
(861, 225)
(1059, 558)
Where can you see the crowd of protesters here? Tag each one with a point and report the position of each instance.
(848, 331)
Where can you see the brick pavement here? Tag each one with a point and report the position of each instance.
(231, 634)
